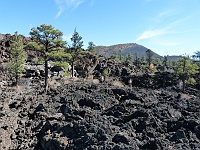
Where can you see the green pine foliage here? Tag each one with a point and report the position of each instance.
(197, 55)
(58, 55)
(149, 58)
(185, 68)
(154, 69)
(105, 72)
(165, 61)
(48, 41)
(128, 58)
(121, 57)
(76, 49)
(18, 57)
(118, 56)
(136, 59)
(191, 81)
(157, 61)
(91, 47)
(115, 56)
(143, 59)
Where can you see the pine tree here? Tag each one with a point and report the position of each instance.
(143, 59)
(121, 57)
(165, 61)
(128, 58)
(197, 55)
(115, 56)
(76, 48)
(157, 61)
(48, 41)
(136, 59)
(149, 54)
(18, 57)
(185, 68)
(91, 47)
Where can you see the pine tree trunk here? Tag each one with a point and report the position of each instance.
(16, 78)
(149, 63)
(90, 71)
(184, 76)
(72, 69)
(46, 75)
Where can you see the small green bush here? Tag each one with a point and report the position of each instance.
(105, 72)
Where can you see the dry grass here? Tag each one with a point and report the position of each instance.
(15, 89)
(95, 81)
(118, 84)
(185, 96)
(54, 84)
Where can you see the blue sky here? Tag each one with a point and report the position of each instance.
(168, 27)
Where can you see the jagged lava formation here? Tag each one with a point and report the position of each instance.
(84, 114)
(87, 115)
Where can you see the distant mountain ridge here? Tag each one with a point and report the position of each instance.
(129, 48)
(174, 57)
(125, 49)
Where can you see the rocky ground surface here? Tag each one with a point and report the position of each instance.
(98, 116)
(82, 114)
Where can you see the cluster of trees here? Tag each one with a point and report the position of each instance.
(49, 43)
(185, 68)
(144, 61)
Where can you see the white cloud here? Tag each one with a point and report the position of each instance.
(73, 3)
(167, 13)
(148, 34)
(151, 33)
(172, 28)
(67, 4)
(59, 12)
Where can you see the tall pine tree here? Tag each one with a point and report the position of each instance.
(75, 49)
(18, 57)
(48, 41)
(136, 59)
(149, 54)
